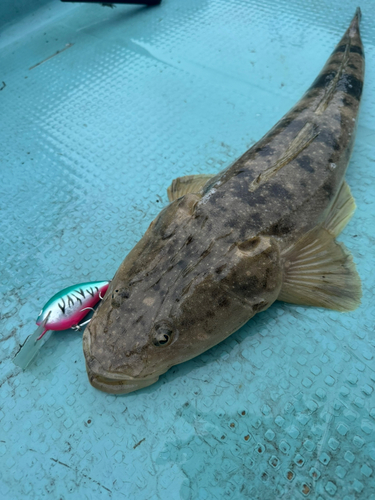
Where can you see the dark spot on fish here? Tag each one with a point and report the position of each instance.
(167, 235)
(252, 283)
(232, 223)
(278, 191)
(223, 302)
(352, 66)
(138, 319)
(354, 49)
(340, 48)
(303, 184)
(328, 188)
(205, 252)
(323, 80)
(220, 269)
(305, 163)
(210, 314)
(239, 172)
(284, 122)
(265, 150)
(177, 300)
(189, 240)
(249, 245)
(188, 322)
(256, 219)
(351, 85)
(357, 50)
(118, 296)
(335, 144)
(247, 437)
(257, 199)
(266, 278)
(280, 228)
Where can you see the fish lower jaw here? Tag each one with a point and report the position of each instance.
(112, 382)
(117, 384)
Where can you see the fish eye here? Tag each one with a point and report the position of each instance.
(163, 336)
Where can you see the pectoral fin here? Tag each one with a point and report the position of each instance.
(320, 272)
(341, 211)
(187, 184)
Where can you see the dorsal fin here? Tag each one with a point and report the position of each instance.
(187, 184)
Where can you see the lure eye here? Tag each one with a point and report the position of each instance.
(163, 336)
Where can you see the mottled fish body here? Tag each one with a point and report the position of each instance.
(230, 244)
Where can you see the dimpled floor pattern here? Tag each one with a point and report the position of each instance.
(90, 139)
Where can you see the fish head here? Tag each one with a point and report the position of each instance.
(174, 297)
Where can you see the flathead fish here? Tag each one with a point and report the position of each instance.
(231, 244)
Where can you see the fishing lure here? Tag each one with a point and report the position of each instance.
(64, 310)
(68, 307)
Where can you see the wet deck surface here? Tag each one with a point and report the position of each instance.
(100, 109)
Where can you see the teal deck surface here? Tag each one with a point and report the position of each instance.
(100, 109)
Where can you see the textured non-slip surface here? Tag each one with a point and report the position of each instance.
(100, 109)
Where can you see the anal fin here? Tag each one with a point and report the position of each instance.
(187, 184)
(320, 272)
(341, 211)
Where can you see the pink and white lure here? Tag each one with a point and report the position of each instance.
(64, 310)
(69, 306)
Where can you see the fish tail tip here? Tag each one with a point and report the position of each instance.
(354, 25)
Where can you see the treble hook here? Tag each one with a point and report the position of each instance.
(85, 308)
(77, 328)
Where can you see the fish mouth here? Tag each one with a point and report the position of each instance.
(116, 383)
(111, 382)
